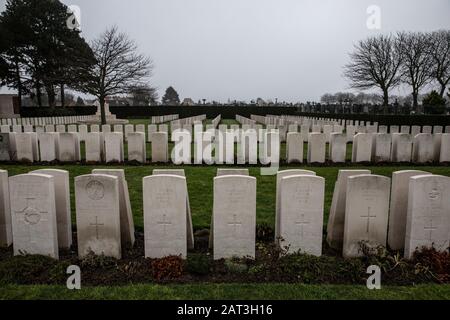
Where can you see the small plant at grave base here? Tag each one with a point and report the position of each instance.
(264, 233)
(235, 265)
(139, 270)
(97, 261)
(433, 262)
(167, 268)
(199, 264)
(367, 250)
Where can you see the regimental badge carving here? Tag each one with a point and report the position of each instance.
(95, 190)
(434, 194)
(31, 216)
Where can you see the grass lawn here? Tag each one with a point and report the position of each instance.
(229, 292)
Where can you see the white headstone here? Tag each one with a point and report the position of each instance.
(294, 147)
(32, 199)
(160, 152)
(423, 148)
(62, 203)
(366, 214)
(152, 128)
(234, 217)
(5, 211)
(5, 147)
(190, 228)
(405, 129)
(69, 147)
(93, 147)
(427, 129)
(98, 215)
(401, 147)
(350, 131)
(114, 151)
(381, 149)
(106, 128)
(23, 143)
(362, 147)
(338, 147)
(428, 217)
(316, 148)
(394, 129)
(129, 128)
(444, 155)
(48, 146)
(399, 207)
(281, 175)
(137, 150)
(301, 213)
(165, 216)
(126, 215)
(336, 219)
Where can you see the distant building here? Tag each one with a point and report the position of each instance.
(119, 101)
(260, 102)
(187, 102)
(9, 106)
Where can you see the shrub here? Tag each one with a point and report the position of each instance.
(198, 264)
(97, 262)
(434, 103)
(167, 268)
(264, 233)
(235, 266)
(437, 263)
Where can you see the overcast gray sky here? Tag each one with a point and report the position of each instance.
(292, 50)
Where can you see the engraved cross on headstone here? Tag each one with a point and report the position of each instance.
(430, 228)
(302, 223)
(368, 216)
(96, 225)
(235, 223)
(164, 223)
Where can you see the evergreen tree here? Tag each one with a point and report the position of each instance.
(41, 51)
(171, 97)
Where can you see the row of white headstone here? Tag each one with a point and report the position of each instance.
(219, 147)
(320, 124)
(35, 213)
(165, 118)
(368, 147)
(65, 147)
(367, 213)
(189, 120)
(44, 120)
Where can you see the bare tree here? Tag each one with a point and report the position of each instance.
(375, 63)
(143, 95)
(327, 98)
(416, 62)
(118, 67)
(439, 50)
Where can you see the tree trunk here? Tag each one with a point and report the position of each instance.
(102, 110)
(415, 101)
(442, 91)
(38, 94)
(385, 101)
(51, 95)
(63, 98)
(19, 84)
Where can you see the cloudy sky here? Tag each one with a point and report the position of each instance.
(292, 50)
